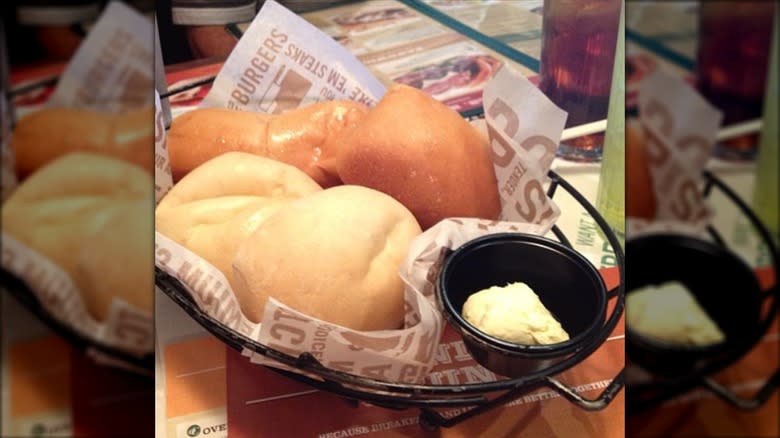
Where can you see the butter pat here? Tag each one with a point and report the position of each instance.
(513, 313)
(671, 314)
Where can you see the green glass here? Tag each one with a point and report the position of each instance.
(610, 199)
(765, 193)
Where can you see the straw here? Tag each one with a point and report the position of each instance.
(726, 133)
(738, 129)
(586, 129)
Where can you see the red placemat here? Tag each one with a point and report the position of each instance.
(261, 403)
(109, 402)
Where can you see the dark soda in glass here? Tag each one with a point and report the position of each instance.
(578, 50)
(732, 65)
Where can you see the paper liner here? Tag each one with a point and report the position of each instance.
(523, 127)
(679, 129)
(112, 68)
(282, 62)
(126, 328)
(111, 71)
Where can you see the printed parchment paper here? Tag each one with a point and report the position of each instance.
(523, 126)
(679, 129)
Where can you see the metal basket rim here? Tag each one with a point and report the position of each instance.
(307, 364)
(23, 295)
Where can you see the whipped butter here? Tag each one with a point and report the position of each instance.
(513, 313)
(670, 313)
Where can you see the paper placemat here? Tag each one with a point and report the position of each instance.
(35, 385)
(260, 402)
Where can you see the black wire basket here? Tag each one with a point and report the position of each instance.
(474, 398)
(20, 290)
(689, 369)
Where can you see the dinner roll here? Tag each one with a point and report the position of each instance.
(67, 211)
(423, 154)
(640, 197)
(306, 137)
(49, 133)
(122, 249)
(333, 255)
(217, 205)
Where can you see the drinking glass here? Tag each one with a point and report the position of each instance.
(765, 194)
(578, 51)
(610, 198)
(731, 65)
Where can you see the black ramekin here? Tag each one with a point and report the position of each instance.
(566, 282)
(722, 283)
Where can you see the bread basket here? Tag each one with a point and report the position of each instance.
(143, 366)
(727, 289)
(429, 398)
(24, 295)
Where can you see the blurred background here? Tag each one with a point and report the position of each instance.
(701, 216)
(190, 35)
(71, 369)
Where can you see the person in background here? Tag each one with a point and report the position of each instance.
(52, 30)
(203, 21)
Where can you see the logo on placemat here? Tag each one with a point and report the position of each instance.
(38, 429)
(193, 430)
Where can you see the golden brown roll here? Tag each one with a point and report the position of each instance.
(216, 206)
(50, 133)
(423, 154)
(306, 138)
(91, 215)
(640, 194)
(334, 255)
